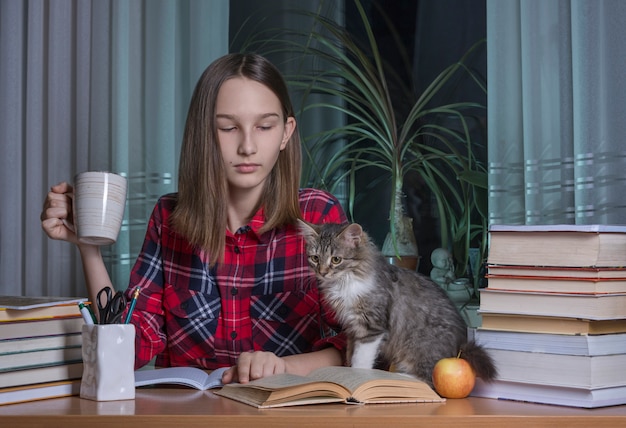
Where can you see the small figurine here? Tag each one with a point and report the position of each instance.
(443, 267)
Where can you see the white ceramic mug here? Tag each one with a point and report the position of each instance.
(99, 200)
(108, 362)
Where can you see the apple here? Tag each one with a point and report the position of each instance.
(453, 377)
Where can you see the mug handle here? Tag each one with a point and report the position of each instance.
(66, 223)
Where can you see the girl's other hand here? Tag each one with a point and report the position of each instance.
(254, 365)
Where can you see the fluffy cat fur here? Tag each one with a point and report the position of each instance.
(390, 315)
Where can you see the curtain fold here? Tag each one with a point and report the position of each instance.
(93, 85)
(555, 108)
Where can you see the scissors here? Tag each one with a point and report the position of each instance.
(110, 306)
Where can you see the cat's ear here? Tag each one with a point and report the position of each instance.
(307, 230)
(353, 235)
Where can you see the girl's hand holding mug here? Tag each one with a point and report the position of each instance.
(90, 212)
(57, 211)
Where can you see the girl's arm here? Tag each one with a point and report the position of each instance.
(96, 274)
(57, 209)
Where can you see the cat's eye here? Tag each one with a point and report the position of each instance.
(335, 260)
(314, 259)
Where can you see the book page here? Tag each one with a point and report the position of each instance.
(378, 386)
(284, 390)
(286, 380)
(347, 378)
(281, 381)
(187, 376)
(351, 378)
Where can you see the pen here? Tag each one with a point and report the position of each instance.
(93, 316)
(133, 302)
(86, 314)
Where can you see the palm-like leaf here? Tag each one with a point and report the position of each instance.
(373, 134)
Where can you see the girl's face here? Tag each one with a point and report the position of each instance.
(251, 131)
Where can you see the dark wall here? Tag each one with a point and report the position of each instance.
(435, 34)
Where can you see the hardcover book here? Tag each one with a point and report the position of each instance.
(545, 394)
(26, 308)
(50, 373)
(558, 245)
(39, 313)
(40, 343)
(585, 306)
(31, 302)
(573, 371)
(587, 345)
(548, 324)
(557, 285)
(331, 385)
(39, 391)
(41, 327)
(32, 359)
(549, 272)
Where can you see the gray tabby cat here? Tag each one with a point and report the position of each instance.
(390, 315)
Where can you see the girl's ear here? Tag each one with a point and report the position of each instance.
(290, 126)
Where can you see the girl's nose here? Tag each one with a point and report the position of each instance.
(247, 145)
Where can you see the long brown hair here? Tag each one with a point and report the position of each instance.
(200, 213)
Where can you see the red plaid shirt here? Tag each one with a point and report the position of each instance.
(262, 297)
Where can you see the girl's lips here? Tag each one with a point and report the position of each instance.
(245, 168)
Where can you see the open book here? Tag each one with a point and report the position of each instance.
(29, 302)
(187, 376)
(331, 385)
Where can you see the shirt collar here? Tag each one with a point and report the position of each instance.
(254, 225)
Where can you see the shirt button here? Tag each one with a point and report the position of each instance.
(234, 291)
(237, 250)
(233, 335)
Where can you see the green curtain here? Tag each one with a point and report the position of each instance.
(556, 92)
(93, 85)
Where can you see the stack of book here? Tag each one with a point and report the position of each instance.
(40, 348)
(554, 314)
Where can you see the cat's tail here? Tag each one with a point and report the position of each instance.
(480, 360)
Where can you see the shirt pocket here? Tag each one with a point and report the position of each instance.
(285, 323)
(191, 323)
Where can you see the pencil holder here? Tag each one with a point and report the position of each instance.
(108, 362)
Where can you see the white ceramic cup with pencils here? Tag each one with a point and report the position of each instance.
(99, 200)
(108, 362)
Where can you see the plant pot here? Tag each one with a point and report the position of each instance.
(459, 292)
(402, 250)
(407, 262)
(471, 315)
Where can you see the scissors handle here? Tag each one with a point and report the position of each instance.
(112, 308)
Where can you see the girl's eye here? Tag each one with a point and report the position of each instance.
(227, 128)
(335, 260)
(265, 128)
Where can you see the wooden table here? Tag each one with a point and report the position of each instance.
(181, 407)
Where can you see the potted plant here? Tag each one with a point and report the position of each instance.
(326, 60)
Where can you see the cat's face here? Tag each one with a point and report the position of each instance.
(331, 248)
(325, 260)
